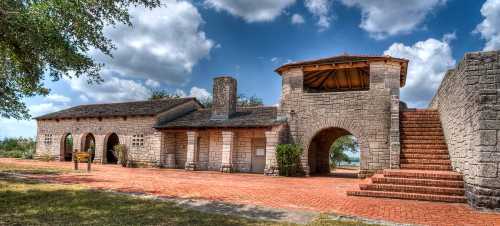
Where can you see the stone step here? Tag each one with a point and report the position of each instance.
(424, 156)
(418, 129)
(425, 151)
(423, 141)
(419, 120)
(425, 167)
(411, 196)
(424, 146)
(422, 137)
(426, 161)
(413, 189)
(420, 125)
(381, 179)
(423, 174)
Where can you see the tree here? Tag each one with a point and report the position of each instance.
(243, 101)
(51, 38)
(339, 149)
(162, 94)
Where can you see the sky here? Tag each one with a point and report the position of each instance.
(183, 45)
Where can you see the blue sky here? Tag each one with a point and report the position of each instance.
(182, 46)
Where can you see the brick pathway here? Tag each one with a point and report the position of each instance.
(321, 194)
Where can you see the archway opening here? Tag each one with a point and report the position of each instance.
(112, 141)
(89, 145)
(334, 151)
(67, 148)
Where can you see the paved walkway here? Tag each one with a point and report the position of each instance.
(321, 194)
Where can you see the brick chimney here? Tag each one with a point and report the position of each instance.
(224, 98)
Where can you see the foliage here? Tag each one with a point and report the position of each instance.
(251, 101)
(17, 148)
(339, 149)
(52, 38)
(121, 152)
(243, 100)
(288, 157)
(158, 94)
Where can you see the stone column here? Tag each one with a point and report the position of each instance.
(272, 139)
(192, 150)
(394, 139)
(227, 151)
(168, 157)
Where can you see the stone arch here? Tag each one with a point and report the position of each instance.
(66, 147)
(351, 126)
(86, 142)
(109, 137)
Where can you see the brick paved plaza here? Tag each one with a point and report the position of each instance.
(319, 194)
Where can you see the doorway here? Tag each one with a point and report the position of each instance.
(258, 155)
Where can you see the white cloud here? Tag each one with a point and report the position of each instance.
(54, 97)
(43, 108)
(297, 19)
(384, 18)
(489, 28)
(321, 10)
(26, 128)
(251, 10)
(152, 83)
(84, 98)
(164, 44)
(429, 61)
(198, 93)
(113, 89)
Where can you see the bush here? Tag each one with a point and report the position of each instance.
(121, 152)
(288, 157)
(17, 147)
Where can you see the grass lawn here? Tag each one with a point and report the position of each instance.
(27, 202)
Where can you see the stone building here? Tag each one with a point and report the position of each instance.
(321, 100)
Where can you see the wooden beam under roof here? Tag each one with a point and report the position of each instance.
(309, 76)
(336, 66)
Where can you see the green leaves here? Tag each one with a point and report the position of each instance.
(288, 157)
(42, 39)
(340, 147)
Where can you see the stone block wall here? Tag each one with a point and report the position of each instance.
(468, 101)
(367, 115)
(125, 128)
(210, 148)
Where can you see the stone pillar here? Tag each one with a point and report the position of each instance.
(272, 139)
(192, 150)
(227, 151)
(394, 140)
(156, 144)
(168, 158)
(99, 148)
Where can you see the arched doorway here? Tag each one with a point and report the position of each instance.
(67, 147)
(89, 145)
(324, 155)
(111, 141)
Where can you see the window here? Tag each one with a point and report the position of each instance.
(47, 139)
(138, 140)
(260, 152)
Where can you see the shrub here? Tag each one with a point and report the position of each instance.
(121, 152)
(288, 157)
(17, 147)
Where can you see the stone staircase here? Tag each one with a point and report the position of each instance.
(426, 172)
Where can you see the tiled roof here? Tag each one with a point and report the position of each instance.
(137, 108)
(245, 117)
(348, 59)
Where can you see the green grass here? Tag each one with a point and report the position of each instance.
(28, 202)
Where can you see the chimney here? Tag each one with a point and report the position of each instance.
(224, 98)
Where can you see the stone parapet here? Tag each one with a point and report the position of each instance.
(468, 101)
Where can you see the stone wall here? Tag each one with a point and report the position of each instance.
(365, 114)
(125, 128)
(209, 148)
(468, 101)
